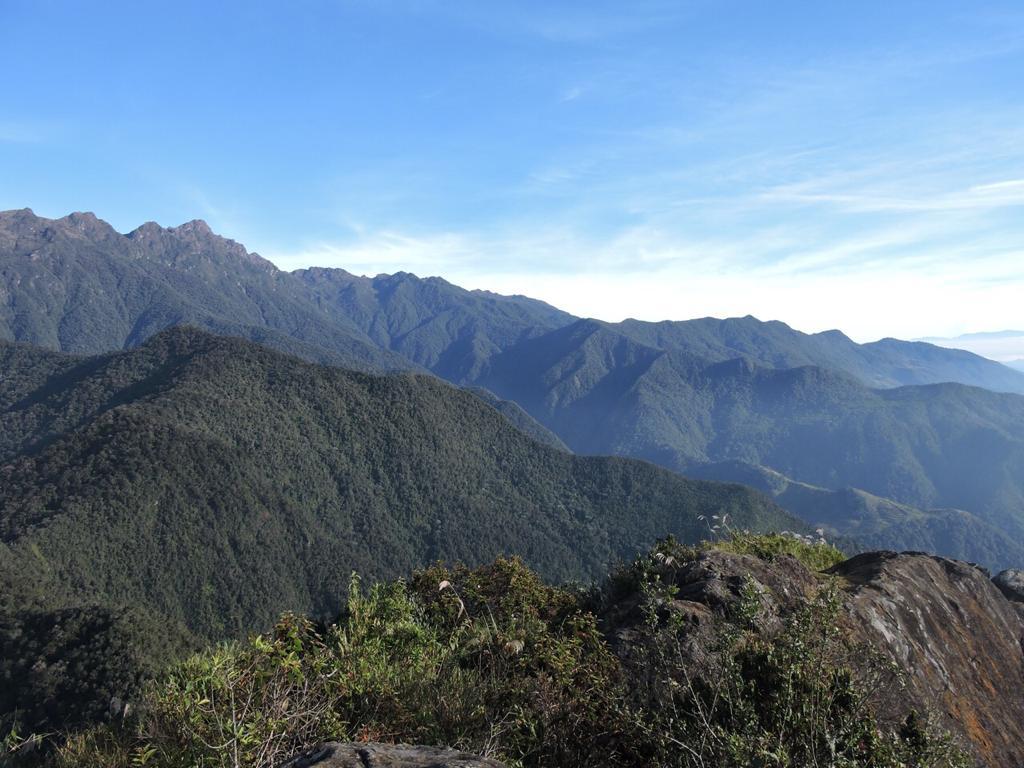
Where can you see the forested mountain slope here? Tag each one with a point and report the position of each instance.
(884, 363)
(218, 483)
(74, 284)
(936, 446)
(446, 329)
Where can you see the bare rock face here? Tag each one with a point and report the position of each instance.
(337, 755)
(959, 640)
(1011, 584)
(717, 578)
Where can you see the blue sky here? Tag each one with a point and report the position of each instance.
(831, 164)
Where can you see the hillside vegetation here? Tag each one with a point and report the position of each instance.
(495, 661)
(936, 446)
(866, 521)
(217, 483)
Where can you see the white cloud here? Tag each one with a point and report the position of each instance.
(867, 306)
(906, 282)
(374, 253)
(1002, 348)
(979, 197)
(792, 195)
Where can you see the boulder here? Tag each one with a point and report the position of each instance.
(338, 755)
(1011, 584)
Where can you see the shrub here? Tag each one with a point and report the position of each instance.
(494, 661)
(796, 695)
(817, 554)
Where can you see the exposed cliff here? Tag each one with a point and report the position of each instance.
(959, 640)
(956, 643)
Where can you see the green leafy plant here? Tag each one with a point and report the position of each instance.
(754, 694)
(494, 661)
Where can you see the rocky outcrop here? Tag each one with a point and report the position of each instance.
(706, 588)
(337, 755)
(1011, 584)
(715, 579)
(957, 638)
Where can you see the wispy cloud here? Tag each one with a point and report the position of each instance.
(848, 186)
(224, 219)
(978, 197)
(376, 252)
(571, 94)
(25, 131)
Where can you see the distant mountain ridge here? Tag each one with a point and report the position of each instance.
(935, 446)
(986, 335)
(77, 285)
(885, 363)
(1007, 347)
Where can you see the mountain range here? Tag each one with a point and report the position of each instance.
(1005, 346)
(935, 435)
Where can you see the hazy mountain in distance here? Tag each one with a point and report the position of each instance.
(867, 521)
(891, 418)
(77, 285)
(1006, 347)
(934, 446)
(992, 335)
(884, 363)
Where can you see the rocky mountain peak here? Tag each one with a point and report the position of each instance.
(196, 227)
(191, 241)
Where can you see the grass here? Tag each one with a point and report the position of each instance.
(817, 554)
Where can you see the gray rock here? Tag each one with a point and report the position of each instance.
(1011, 584)
(958, 637)
(337, 755)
